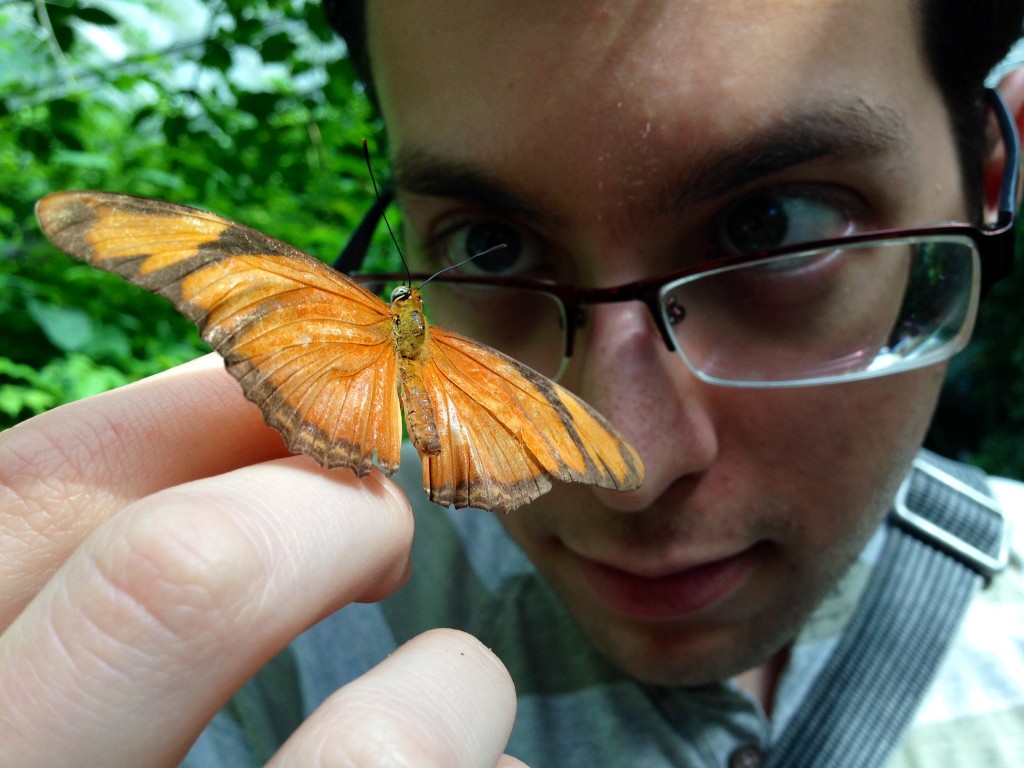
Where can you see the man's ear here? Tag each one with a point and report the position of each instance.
(1011, 88)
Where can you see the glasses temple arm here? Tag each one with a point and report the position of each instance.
(1011, 140)
(1002, 238)
(351, 257)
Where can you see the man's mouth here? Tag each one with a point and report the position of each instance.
(674, 594)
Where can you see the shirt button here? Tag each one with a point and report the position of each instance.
(747, 756)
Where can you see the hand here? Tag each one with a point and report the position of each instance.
(158, 546)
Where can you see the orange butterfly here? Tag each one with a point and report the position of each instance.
(328, 362)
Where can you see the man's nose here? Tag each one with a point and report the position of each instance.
(623, 368)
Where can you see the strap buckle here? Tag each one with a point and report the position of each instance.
(986, 558)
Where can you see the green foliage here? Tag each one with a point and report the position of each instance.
(981, 413)
(247, 109)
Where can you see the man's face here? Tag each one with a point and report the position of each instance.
(618, 139)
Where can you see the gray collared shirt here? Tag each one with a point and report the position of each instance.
(577, 710)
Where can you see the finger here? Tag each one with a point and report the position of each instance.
(442, 699)
(65, 471)
(165, 610)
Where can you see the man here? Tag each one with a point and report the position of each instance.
(684, 623)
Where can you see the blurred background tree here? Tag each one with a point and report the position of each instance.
(249, 109)
(246, 108)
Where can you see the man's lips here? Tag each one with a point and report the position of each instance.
(673, 595)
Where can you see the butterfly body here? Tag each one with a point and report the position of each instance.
(411, 330)
(331, 365)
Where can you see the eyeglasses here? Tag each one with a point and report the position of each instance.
(842, 309)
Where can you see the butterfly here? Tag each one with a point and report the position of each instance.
(331, 365)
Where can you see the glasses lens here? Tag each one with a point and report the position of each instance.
(826, 315)
(527, 325)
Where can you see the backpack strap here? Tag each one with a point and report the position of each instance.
(947, 537)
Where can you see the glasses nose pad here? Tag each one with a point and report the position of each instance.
(669, 315)
(674, 311)
(573, 319)
(570, 320)
(578, 321)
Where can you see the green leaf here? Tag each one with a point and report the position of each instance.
(161, 178)
(217, 55)
(90, 160)
(16, 400)
(259, 104)
(277, 47)
(60, 22)
(23, 391)
(67, 328)
(82, 377)
(97, 17)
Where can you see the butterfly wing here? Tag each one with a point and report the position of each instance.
(506, 431)
(310, 347)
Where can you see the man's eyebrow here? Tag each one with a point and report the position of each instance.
(418, 171)
(832, 129)
(849, 128)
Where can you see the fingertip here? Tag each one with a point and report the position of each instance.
(442, 698)
(369, 513)
(389, 492)
(383, 502)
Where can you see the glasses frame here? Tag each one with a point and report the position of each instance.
(994, 242)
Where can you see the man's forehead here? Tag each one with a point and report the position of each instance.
(651, 117)
(566, 31)
(497, 59)
(833, 128)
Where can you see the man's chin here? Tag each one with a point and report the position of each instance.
(685, 659)
(743, 629)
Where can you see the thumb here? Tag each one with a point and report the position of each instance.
(442, 699)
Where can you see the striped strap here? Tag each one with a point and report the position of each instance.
(947, 537)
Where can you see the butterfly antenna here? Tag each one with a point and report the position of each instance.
(384, 215)
(492, 249)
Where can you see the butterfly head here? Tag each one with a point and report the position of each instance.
(407, 310)
(401, 293)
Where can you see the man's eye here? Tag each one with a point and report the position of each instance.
(495, 249)
(774, 220)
